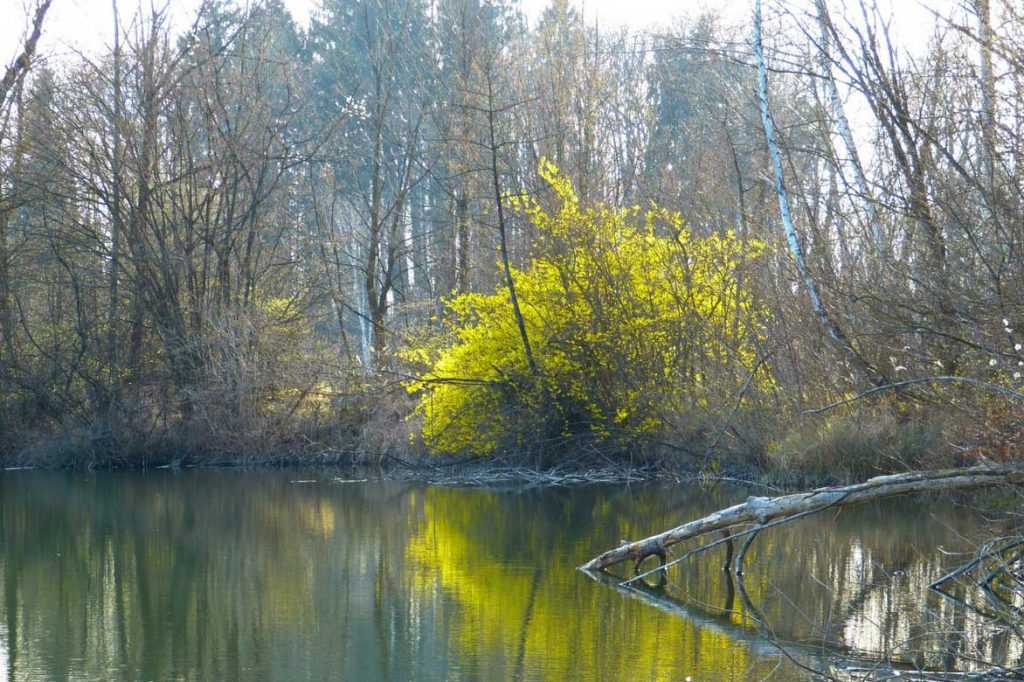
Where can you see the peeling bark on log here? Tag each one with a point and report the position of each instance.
(759, 511)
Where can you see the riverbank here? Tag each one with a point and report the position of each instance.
(802, 453)
(432, 469)
(451, 471)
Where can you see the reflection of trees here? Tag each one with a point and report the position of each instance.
(221, 575)
(204, 577)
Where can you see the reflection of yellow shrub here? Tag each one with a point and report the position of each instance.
(629, 315)
(520, 606)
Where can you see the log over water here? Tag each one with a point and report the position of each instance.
(760, 511)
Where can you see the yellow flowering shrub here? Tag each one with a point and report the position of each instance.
(629, 316)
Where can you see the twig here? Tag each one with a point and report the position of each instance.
(1007, 392)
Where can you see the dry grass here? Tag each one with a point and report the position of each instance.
(842, 449)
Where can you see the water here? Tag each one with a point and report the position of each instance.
(233, 575)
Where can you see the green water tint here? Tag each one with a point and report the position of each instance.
(246, 575)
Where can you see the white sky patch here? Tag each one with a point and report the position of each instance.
(87, 25)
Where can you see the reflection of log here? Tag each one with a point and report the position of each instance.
(721, 624)
(802, 653)
(761, 511)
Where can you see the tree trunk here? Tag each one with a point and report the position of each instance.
(509, 281)
(113, 310)
(878, 238)
(988, 94)
(6, 318)
(760, 512)
(462, 237)
(17, 70)
(832, 329)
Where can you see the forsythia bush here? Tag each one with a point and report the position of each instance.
(629, 316)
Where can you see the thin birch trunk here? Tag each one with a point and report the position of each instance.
(878, 238)
(831, 328)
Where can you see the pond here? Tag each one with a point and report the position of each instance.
(294, 575)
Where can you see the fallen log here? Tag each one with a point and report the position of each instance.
(758, 512)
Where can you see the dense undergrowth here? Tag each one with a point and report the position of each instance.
(641, 345)
(263, 242)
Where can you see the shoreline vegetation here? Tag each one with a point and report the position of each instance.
(238, 239)
(474, 471)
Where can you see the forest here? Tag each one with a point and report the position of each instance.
(792, 245)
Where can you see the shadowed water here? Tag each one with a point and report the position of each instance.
(233, 575)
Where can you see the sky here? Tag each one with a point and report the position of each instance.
(86, 25)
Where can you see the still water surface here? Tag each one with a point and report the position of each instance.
(234, 575)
